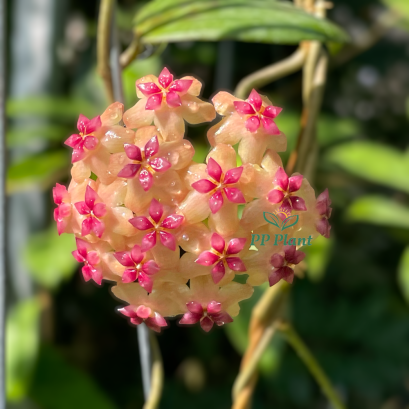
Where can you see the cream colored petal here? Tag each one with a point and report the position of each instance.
(195, 207)
(117, 162)
(253, 213)
(277, 143)
(138, 116)
(136, 198)
(99, 165)
(170, 123)
(271, 162)
(195, 173)
(131, 293)
(226, 220)
(115, 137)
(80, 171)
(196, 111)
(113, 114)
(121, 225)
(232, 293)
(189, 269)
(229, 131)
(166, 258)
(194, 238)
(143, 80)
(224, 103)
(196, 86)
(178, 153)
(169, 188)
(252, 148)
(224, 155)
(144, 134)
(113, 194)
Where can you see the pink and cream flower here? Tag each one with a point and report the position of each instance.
(62, 213)
(167, 103)
(249, 122)
(324, 211)
(283, 264)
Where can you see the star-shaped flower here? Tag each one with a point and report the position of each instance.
(62, 212)
(283, 264)
(91, 269)
(324, 211)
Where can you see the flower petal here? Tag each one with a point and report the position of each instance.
(216, 202)
(145, 282)
(160, 164)
(100, 209)
(213, 307)
(143, 312)
(168, 240)
(173, 99)
(150, 267)
(272, 111)
(124, 258)
(294, 183)
(129, 275)
(136, 254)
(148, 241)
(98, 227)
(323, 227)
(128, 311)
(153, 102)
(190, 318)
(233, 175)
(129, 171)
(236, 245)
(141, 223)
(82, 208)
(93, 125)
(73, 140)
(207, 258)
(203, 186)
(137, 116)
(214, 169)
(181, 86)
(278, 273)
(243, 107)
(217, 242)
(221, 318)
(281, 179)
(146, 179)
(90, 142)
(82, 122)
(173, 221)
(206, 323)
(252, 124)
(78, 256)
(148, 88)
(292, 255)
(277, 260)
(82, 247)
(218, 272)
(165, 78)
(255, 100)
(234, 195)
(270, 126)
(133, 152)
(298, 203)
(156, 210)
(86, 226)
(236, 264)
(87, 272)
(90, 196)
(151, 147)
(195, 307)
(275, 196)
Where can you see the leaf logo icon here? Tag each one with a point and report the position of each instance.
(289, 222)
(272, 219)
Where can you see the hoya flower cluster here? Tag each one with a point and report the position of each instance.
(172, 234)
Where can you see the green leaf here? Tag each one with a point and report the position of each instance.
(318, 256)
(243, 20)
(379, 210)
(26, 135)
(403, 274)
(22, 337)
(43, 169)
(59, 385)
(49, 106)
(374, 162)
(49, 259)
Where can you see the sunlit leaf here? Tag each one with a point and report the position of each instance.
(243, 20)
(22, 337)
(272, 219)
(49, 106)
(42, 169)
(379, 210)
(403, 274)
(48, 257)
(318, 255)
(60, 385)
(289, 222)
(374, 162)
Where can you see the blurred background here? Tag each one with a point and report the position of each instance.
(66, 345)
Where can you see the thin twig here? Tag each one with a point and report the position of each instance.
(104, 45)
(157, 375)
(311, 363)
(263, 315)
(130, 53)
(271, 73)
(145, 357)
(3, 48)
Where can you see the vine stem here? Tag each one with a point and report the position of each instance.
(109, 58)
(311, 363)
(104, 45)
